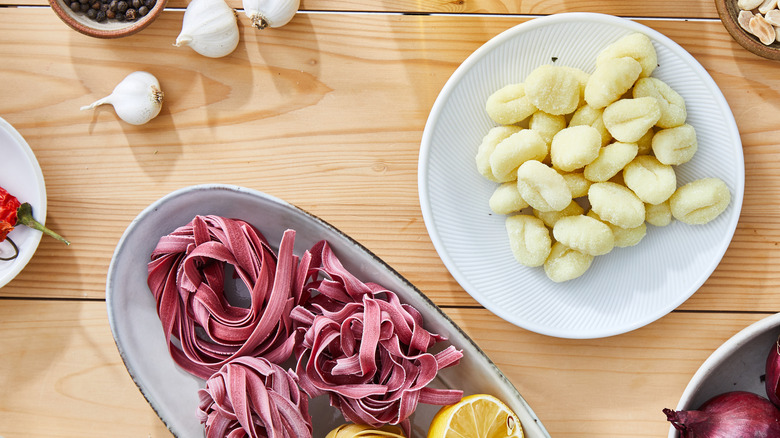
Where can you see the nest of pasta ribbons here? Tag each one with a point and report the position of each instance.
(353, 341)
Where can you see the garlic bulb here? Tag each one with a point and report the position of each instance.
(273, 13)
(136, 100)
(210, 28)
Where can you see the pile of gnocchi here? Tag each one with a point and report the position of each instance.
(584, 161)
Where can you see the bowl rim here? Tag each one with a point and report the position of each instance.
(66, 15)
(726, 11)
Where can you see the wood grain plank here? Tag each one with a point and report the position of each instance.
(62, 376)
(664, 8)
(326, 113)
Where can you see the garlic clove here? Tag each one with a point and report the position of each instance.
(270, 13)
(210, 28)
(136, 99)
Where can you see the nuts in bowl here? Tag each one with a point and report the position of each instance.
(108, 18)
(754, 24)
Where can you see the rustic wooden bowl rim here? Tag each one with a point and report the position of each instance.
(122, 29)
(727, 10)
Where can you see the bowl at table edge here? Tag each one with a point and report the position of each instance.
(172, 393)
(728, 11)
(107, 29)
(737, 365)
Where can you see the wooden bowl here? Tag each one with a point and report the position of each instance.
(728, 11)
(107, 29)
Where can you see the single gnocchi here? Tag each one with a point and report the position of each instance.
(547, 125)
(652, 181)
(611, 80)
(494, 136)
(554, 90)
(659, 215)
(585, 234)
(575, 147)
(587, 115)
(611, 160)
(542, 187)
(529, 239)
(616, 204)
(551, 217)
(509, 105)
(673, 111)
(515, 150)
(700, 201)
(629, 119)
(506, 199)
(564, 263)
(675, 145)
(624, 237)
(635, 45)
(578, 184)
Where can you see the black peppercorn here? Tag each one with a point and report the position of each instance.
(101, 16)
(113, 5)
(103, 7)
(143, 10)
(84, 7)
(75, 6)
(136, 4)
(91, 13)
(150, 3)
(110, 14)
(131, 14)
(120, 16)
(121, 6)
(95, 6)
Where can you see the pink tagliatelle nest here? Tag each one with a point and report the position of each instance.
(253, 397)
(365, 349)
(203, 330)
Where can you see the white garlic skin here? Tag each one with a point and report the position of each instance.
(209, 27)
(136, 99)
(270, 13)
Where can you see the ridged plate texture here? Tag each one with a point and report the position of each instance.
(623, 290)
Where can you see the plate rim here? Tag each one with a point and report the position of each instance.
(40, 210)
(445, 94)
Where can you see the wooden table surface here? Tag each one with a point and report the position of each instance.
(327, 113)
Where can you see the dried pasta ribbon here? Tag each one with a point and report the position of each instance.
(365, 349)
(253, 397)
(186, 276)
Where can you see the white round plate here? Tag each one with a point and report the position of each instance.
(21, 175)
(623, 290)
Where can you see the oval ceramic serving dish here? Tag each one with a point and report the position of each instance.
(172, 392)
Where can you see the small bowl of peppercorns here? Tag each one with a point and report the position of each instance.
(107, 18)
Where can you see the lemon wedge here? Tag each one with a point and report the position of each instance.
(476, 416)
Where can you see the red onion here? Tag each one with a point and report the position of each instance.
(730, 415)
(773, 373)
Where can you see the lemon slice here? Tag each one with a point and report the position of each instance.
(476, 416)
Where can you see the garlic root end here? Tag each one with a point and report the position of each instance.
(96, 103)
(258, 21)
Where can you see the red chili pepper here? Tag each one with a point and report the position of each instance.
(13, 213)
